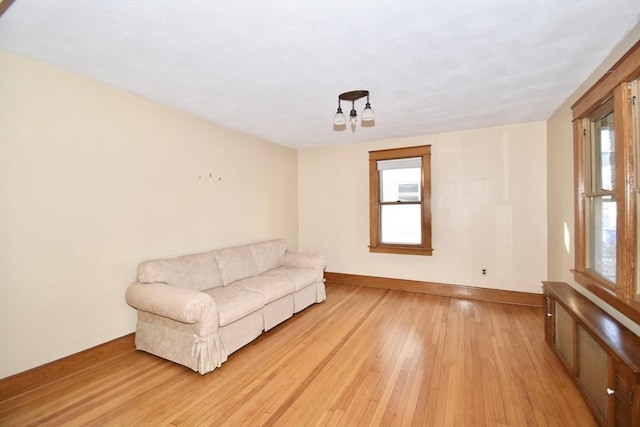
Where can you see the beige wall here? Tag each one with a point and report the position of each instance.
(560, 182)
(94, 180)
(488, 205)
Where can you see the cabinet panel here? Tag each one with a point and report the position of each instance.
(564, 335)
(593, 372)
(623, 395)
(549, 330)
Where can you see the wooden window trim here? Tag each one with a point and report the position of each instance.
(593, 284)
(375, 245)
(612, 85)
(625, 70)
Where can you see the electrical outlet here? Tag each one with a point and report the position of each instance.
(484, 271)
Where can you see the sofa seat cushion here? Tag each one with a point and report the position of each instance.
(270, 287)
(234, 303)
(301, 277)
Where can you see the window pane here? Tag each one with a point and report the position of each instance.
(401, 224)
(605, 153)
(601, 221)
(400, 185)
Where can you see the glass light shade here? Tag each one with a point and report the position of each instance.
(339, 119)
(367, 114)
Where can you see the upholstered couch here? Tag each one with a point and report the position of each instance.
(197, 309)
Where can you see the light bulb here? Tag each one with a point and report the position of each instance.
(353, 116)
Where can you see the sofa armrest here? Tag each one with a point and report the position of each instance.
(180, 304)
(305, 260)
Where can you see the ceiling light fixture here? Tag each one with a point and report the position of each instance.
(340, 121)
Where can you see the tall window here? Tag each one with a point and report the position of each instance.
(599, 194)
(400, 194)
(607, 170)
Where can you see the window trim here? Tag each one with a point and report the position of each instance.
(375, 245)
(614, 84)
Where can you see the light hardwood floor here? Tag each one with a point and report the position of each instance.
(365, 356)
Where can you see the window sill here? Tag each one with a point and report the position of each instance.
(399, 249)
(598, 287)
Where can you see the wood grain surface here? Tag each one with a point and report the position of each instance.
(366, 356)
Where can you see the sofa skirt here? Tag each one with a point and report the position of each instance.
(178, 342)
(241, 332)
(308, 295)
(277, 311)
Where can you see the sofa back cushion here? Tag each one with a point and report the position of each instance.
(236, 263)
(196, 271)
(269, 255)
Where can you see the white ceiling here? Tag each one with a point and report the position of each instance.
(274, 69)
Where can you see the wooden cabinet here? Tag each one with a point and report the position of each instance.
(625, 393)
(600, 354)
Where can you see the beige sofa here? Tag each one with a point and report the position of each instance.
(197, 309)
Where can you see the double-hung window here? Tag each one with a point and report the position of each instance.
(599, 195)
(607, 191)
(400, 194)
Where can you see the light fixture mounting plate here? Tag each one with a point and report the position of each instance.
(353, 95)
